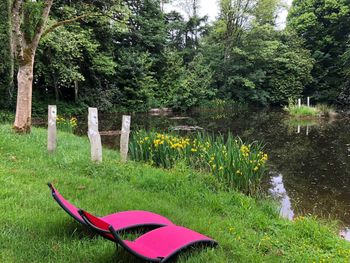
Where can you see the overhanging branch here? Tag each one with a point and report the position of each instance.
(64, 22)
(71, 20)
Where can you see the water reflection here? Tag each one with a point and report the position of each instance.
(279, 192)
(345, 234)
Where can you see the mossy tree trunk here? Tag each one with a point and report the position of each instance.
(25, 47)
(24, 97)
(26, 31)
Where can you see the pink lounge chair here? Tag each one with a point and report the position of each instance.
(158, 245)
(120, 221)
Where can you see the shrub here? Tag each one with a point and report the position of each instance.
(237, 164)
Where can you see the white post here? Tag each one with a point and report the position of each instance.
(307, 130)
(308, 101)
(124, 138)
(94, 136)
(298, 129)
(299, 103)
(51, 128)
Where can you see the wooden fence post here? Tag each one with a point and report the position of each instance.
(308, 101)
(94, 136)
(298, 130)
(124, 138)
(299, 103)
(51, 128)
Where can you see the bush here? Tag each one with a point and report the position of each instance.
(237, 164)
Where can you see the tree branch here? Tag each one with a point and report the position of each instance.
(17, 40)
(71, 20)
(40, 26)
(64, 22)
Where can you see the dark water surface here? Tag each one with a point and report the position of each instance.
(309, 160)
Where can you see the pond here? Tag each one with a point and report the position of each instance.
(309, 160)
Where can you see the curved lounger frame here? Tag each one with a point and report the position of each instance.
(143, 218)
(103, 228)
(58, 198)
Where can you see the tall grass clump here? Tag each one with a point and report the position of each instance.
(237, 164)
(325, 110)
(302, 111)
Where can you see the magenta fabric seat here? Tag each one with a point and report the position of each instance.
(158, 245)
(120, 221)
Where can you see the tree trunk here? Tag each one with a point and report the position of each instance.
(76, 90)
(23, 119)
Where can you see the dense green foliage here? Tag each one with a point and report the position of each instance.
(141, 59)
(135, 55)
(6, 61)
(36, 229)
(237, 165)
(324, 25)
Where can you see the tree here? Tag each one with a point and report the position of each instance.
(60, 60)
(6, 63)
(29, 19)
(344, 96)
(252, 61)
(266, 11)
(28, 22)
(234, 15)
(324, 25)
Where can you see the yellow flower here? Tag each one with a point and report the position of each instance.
(193, 150)
(256, 168)
(221, 168)
(265, 157)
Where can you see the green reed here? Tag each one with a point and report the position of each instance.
(237, 164)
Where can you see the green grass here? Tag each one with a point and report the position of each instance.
(320, 110)
(302, 111)
(35, 229)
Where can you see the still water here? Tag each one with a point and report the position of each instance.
(309, 160)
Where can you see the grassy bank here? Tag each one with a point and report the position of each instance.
(35, 229)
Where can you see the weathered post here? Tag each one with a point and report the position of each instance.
(307, 130)
(124, 138)
(299, 103)
(51, 128)
(298, 131)
(308, 101)
(94, 136)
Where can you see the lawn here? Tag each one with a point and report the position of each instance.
(35, 229)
